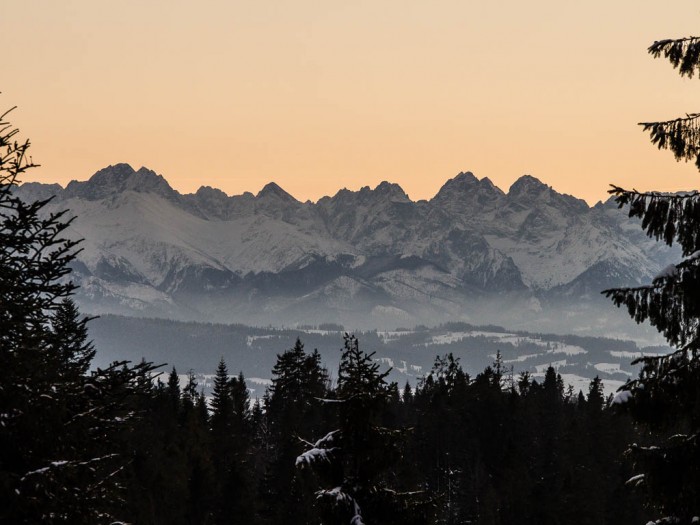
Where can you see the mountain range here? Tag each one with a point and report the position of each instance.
(529, 257)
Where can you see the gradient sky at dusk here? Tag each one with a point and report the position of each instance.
(321, 95)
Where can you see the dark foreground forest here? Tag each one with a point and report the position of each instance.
(489, 449)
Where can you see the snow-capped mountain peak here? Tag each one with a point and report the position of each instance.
(391, 191)
(117, 179)
(273, 190)
(529, 191)
(528, 186)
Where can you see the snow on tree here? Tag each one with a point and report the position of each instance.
(354, 463)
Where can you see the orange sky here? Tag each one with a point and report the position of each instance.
(325, 94)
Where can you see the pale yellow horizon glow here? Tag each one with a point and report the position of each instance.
(322, 95)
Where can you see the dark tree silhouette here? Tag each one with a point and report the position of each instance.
(667, 393)
(294, 409)
(60, 459)
(354, 463)
(231, 441)
(33, 260)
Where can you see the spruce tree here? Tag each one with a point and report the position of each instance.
(667, 393)
(294, 409)
(222, 407)
(195, 438)
(231, 441)
(445, 437)
(355, 463)
(60, 456)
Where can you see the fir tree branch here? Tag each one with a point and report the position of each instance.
(680, 135)
(617, 190)
(664, 216)
(683, 53)
(670, 303)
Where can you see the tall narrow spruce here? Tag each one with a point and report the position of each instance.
(666, 396)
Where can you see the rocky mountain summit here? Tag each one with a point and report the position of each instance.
(369, 257)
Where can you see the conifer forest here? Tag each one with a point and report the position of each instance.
(128, 443)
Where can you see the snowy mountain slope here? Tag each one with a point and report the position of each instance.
(368, 256)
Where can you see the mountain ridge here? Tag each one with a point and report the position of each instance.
(371, 255)
(122, 176)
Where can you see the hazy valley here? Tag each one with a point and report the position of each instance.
(409, 352)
